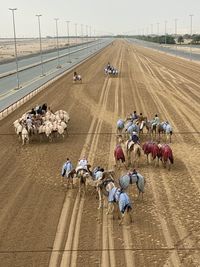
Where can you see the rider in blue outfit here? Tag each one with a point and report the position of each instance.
(135, 138)
(97, 173)
(67, 168)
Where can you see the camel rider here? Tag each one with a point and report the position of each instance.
(140, 118)
(33, 111)
(168, 128)
(134, 171)
(135, 138)
(134, 115)
(155, 121)
(130, 117)
(140, 121)
(83, 163)
(75, 75)
(29, 121)
(44, 107)
(67, 168)
(97, 173)
(120, 124)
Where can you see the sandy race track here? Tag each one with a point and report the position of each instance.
(166, 227)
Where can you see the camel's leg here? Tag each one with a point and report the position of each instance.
(80, 185)
(140, 193)
(85, 187)
(71, 185)
(116, 164)
(99, 194)
(169, 165)
(138, 161)
(125, 165)
(170, 137)
(122, 219)
(110, 208)
(156, 162)
(148, 159)
(105, 202)
(130, 216)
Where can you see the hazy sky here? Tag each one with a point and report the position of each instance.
(105, 16)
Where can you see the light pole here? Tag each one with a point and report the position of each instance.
(165, 32)
(99, 40)
(76, 32)
(42, 67)
(82, 32)
(158, 31)
(15, 42)
(147, 31)
(58, 61)
(95, 40)
(69, 57)
(176, 34)
(152, 29)
(87, 36)
(191, 36)
(90, 36)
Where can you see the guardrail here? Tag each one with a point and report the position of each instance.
(5, 112)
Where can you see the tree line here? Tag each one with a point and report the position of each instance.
(168, 39)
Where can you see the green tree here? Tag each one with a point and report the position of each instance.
(180, 39)
(196, 39)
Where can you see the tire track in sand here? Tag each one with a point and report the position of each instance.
(129, 258)
(182, 233)
(108, 255)
(174, 258)
(69, 256)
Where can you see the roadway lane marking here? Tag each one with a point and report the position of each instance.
(8, 73)
(23, 86)
(8, 93)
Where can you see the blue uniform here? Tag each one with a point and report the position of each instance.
(67, 168)
(120, 124)
(98, 175)
(135, 138)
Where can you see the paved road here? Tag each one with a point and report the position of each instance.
(30, 70)
(168, 49)
(10, 67)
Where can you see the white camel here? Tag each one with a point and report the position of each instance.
(25, 136)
